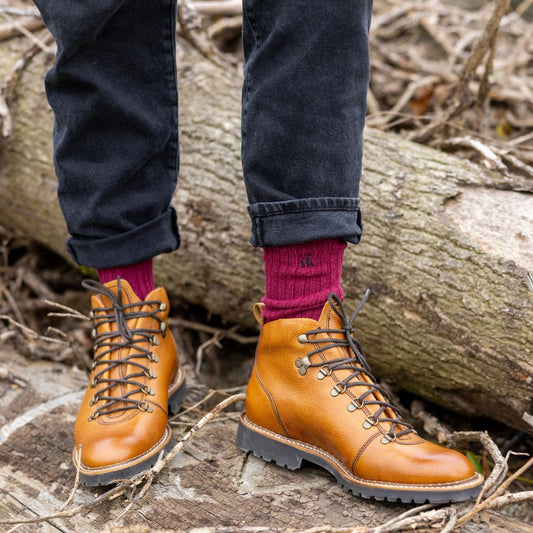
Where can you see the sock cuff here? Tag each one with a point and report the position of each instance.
(299, 278)
(139, 275)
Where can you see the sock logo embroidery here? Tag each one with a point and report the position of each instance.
(307, 261)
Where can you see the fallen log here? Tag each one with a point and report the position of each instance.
(446, 248)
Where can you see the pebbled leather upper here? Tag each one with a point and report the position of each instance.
(301, 407)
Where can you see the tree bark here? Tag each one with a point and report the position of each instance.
(445, 252)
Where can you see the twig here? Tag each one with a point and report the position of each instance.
(421, 508)
(213, 341)
(25, 27)
(484, 504)
(388, 16)
(412, 88)
(14, 28)
(225, 26)
(29, 333)
(209, 395)
(499, 472)
(8, 375)
(12, 303)
(62, 334)
(226, 333)
(199, 425)
(218, 7)
(523, 7)
(6, 335)
(20, 12)
(76, 480)
(461, 96)
(191, 30)
(492, 159)
(36, 284)
(430, 24)
(521, 139)
(70, 313)
(452, 521)
(509, 498)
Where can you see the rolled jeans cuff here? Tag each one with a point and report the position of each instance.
(305, 220)
(158, 236)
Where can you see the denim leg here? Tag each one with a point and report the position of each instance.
(114, 95)
(304, 106)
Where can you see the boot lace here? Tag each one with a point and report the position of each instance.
(132, 341)
(356, 363)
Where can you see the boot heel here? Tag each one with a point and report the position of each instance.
(175, 401)
(267, 448)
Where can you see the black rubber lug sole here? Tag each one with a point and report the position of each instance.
(290, 457)
(175, 401)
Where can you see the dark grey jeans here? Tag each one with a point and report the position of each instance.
(114, 94)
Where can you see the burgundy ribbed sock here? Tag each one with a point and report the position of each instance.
(299, 277)
(140, 276)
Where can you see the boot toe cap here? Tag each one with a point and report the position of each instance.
(417, 464)
(112, 445)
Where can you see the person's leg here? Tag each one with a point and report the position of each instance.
(114, 95)
(304, 105)
(311, 394)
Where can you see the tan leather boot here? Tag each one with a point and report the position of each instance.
(135, 380)
(312, 397)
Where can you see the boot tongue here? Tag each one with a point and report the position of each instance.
(329, 319)
(127, 293)
(99, 301)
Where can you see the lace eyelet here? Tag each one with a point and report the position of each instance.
(324, 372)
(302, 339)
(302, 365)
(388, 438)
(336, 390)
(154, 340)
(94, 399)
(162, 306)
(370, 421)
(93, 333)
(94, 416)
(148, 390)
(163, 329)
(355, 404)
(153, 357)
(91, 314)
(145, 407)
(150, 374)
